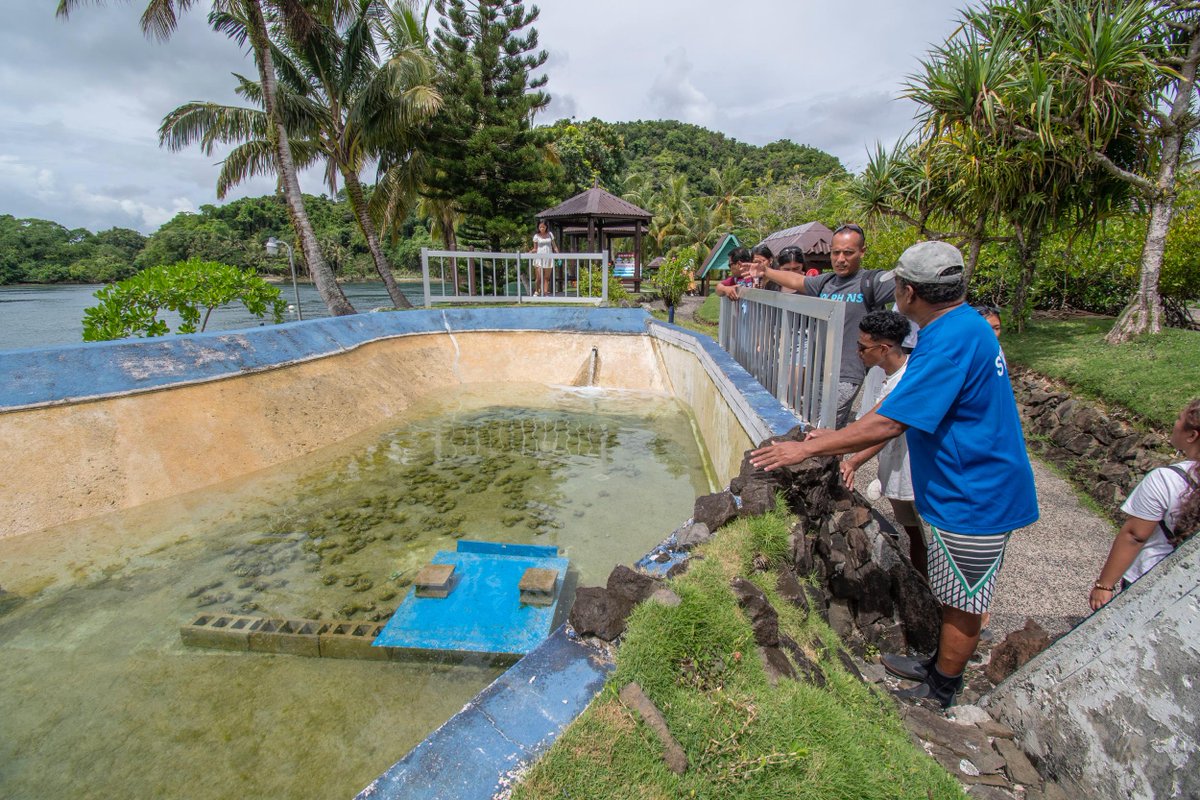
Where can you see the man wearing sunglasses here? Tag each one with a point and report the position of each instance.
(862, 290)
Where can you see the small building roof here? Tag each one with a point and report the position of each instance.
(597, 203)
(718, 257)
(811, 237)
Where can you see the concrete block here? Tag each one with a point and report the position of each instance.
(537, 586)
(290, 637)
(220, 631)
(352, 640)
(435, 580)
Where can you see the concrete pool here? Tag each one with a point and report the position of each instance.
(142, 426)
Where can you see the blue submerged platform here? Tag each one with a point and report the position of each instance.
(483, 612)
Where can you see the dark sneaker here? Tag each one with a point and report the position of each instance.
(936, 688)
(912, 669)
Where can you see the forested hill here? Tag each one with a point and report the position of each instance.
(665, 147)
(648, 153)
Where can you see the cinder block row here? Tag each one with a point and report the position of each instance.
(297, 637)
(353, 640)
(220, 631)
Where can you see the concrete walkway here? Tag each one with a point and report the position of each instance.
(1050, 566)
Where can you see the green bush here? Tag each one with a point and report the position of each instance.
(130, 307)
(590, 285)
(673, 278)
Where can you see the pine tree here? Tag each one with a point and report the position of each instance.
(485, 154)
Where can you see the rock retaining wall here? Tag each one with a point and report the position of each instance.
(1102, 453)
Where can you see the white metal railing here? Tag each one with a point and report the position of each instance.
(792, 344)
(472, 276)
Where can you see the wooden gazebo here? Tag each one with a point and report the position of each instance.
(596, 217)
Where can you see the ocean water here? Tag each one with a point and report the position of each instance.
(38, 316)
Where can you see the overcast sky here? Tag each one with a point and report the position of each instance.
(81, 99)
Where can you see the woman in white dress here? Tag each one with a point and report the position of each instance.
(544, 246)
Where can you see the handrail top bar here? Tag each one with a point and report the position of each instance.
(509, 255)
(817, 307)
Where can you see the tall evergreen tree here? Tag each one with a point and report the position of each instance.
(485, 155)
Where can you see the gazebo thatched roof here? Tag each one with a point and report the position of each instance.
(595, 203)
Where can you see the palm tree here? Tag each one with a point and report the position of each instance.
(444, 218)
(729, 185)
(159, 20)
(340, 105)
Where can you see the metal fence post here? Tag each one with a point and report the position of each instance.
(425, 276)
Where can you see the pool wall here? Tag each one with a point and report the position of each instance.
(107, 426)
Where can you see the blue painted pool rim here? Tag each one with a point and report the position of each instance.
(48, 376)
(516, 718)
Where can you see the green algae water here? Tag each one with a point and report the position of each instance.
(98, 697)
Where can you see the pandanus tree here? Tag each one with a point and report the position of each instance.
(1127, 87)
(159, 21)
(982, 94)
(1099, 97)
(341, 104)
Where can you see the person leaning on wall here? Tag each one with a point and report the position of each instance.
(1163, 511)
(972, 479)
(862, 290)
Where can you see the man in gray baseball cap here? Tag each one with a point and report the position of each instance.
(971, 474)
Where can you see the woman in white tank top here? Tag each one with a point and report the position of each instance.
(543, 247)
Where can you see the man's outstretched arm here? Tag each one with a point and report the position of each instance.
(785, 278)
(871, 430)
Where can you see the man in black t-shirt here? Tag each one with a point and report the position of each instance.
(855, 287)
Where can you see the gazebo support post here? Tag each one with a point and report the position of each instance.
(637, 256)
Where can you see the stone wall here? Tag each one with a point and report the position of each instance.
(1111, 709)
(874, 598)
(1102, 453)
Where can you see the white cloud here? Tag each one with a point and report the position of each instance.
(145, 216)
(674, 96)
(81, 99)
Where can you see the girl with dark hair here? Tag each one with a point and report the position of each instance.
(544, 246)
(790, 259)
(1164, 511)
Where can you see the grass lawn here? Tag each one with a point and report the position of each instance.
(743, 739)
(685, 320)
(710, 310)
(1152, 376)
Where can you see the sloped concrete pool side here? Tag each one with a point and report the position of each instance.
(130, 422)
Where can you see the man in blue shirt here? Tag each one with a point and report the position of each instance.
(971, 473)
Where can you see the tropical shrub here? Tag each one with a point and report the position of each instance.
(673, 278)
(191, 289)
